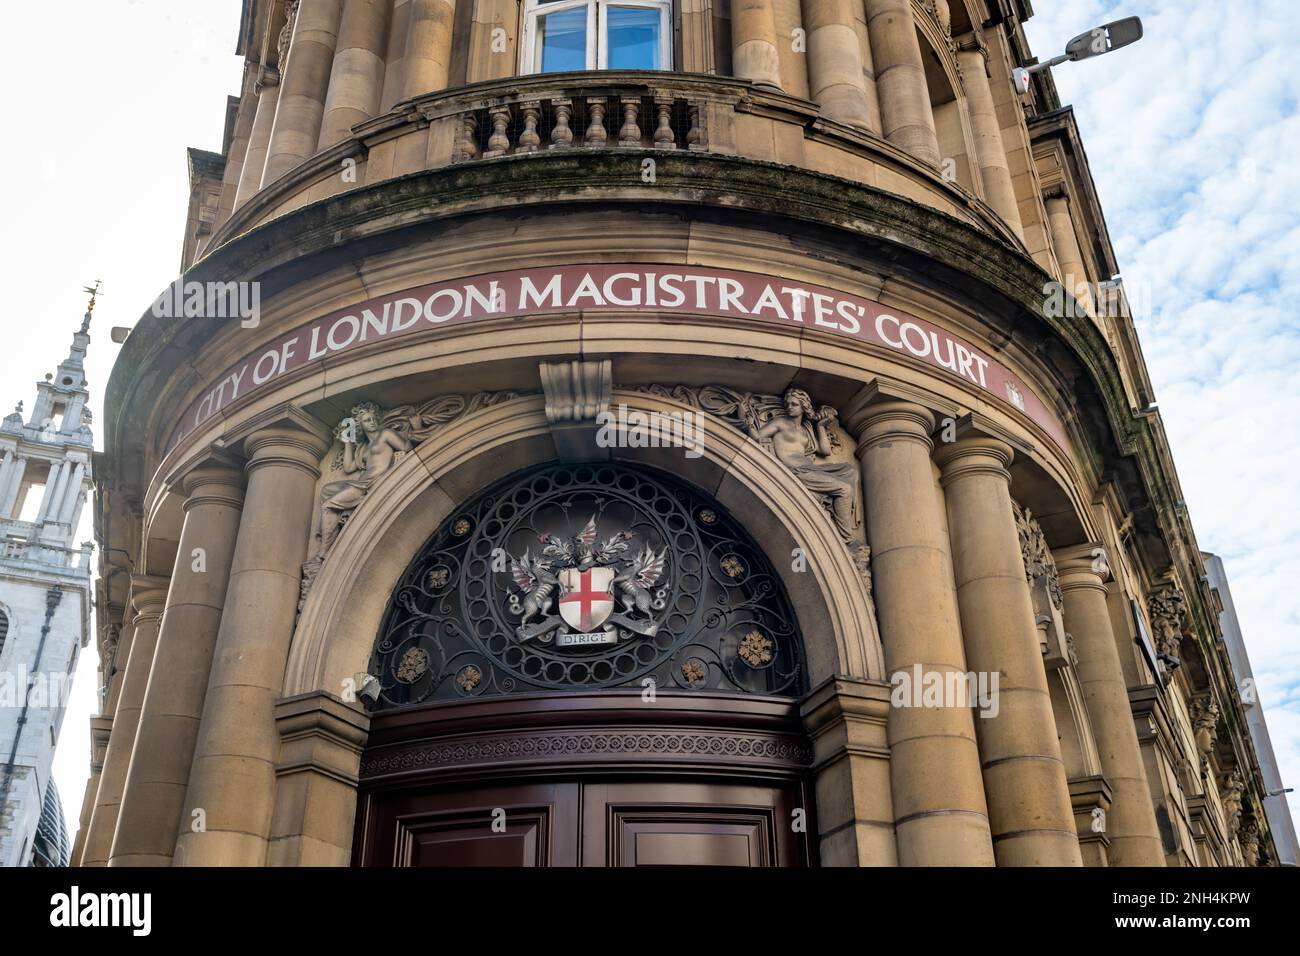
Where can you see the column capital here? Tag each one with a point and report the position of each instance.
(284, 435)
(148, 597)
(974, 454)
(1082, 566)
(215, 472)
(872, 420)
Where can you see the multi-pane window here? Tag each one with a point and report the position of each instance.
(564, 35)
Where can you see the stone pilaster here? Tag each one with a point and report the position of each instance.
(938, 797)
(321, 739)
(169, 720)
(306, 78)
(356, 82)
(148, 596)
(268, 97)
(847, 722)
(753, 42)
(1024, 776)
(232, 781)
(1131, 821)
(905, 116)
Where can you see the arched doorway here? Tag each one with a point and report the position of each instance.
(588, 664)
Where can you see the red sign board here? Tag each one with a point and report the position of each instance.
(721, 295)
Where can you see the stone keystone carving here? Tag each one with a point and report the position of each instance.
(1168, 618)
(369, 444)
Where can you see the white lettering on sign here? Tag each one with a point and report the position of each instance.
(724, 295)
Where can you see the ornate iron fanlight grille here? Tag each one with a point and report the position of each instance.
(695, 605)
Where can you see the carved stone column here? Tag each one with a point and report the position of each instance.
(835, 77)
(148, 595)
(173, 703)
(427, 59)
(990, 152)
(357, 75)
(905, 115)
(101, 729)
(1065, 242)
(1131, 822)
(938, 797)
(306, 77)
(233, 777)
(753, 42)
(268, 98)
(1024, 776)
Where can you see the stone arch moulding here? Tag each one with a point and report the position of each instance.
(341, 617)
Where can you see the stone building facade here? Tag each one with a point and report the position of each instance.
(632, 432)
(45, 477)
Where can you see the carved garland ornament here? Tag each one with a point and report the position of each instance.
(369, 444)
(806, 438)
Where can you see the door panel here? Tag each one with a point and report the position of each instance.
(455, 827)
(688, 824)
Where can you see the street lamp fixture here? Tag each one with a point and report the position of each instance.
(1095, 42)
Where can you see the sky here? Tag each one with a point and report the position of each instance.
(1192, 137)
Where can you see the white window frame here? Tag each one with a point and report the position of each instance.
(530, 51)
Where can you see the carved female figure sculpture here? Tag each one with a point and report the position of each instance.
(369, 456)
(800, 437)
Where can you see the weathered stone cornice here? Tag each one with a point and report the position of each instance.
(1001, 284)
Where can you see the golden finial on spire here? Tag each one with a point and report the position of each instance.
(94, 292)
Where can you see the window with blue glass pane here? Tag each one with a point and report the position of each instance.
(562, 39)
(562, 35)
(633, 36)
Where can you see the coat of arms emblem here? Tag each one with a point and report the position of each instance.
(604, 590)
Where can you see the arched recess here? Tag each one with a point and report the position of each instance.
(948, 104)
(342, 615)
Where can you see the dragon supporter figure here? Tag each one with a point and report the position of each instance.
(632, 596)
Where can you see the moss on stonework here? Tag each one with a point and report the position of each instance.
(907, 232)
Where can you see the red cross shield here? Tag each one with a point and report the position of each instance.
(586, 601)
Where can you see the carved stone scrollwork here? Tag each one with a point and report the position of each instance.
(369, 444)
(1045, 588)
(1169, 621)
(286, 32)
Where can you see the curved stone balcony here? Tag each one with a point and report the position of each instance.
(642, 111)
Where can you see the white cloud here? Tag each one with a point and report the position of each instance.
(1192, 136)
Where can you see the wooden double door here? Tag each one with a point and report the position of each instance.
(640, 821)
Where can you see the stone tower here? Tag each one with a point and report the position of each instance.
(45, 475)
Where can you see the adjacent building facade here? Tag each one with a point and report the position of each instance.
(45, 477)
(603, 433)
